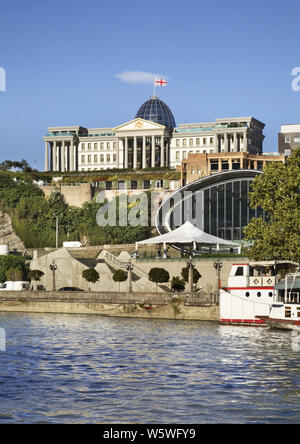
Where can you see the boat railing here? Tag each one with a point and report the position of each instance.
(262, 281)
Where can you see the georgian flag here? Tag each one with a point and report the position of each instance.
(160, 82)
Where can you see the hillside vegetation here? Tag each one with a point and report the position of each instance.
(34, 222)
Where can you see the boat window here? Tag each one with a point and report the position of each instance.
(288, 312)
(270, 294)
(247, 294)
(239, 271)
(259, 294)
(298, 312)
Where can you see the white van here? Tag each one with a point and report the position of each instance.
(15, 286)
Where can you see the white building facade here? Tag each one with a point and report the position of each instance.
(150, 140)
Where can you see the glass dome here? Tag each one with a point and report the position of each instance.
(156, 111)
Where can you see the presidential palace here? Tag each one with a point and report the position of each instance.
(151, 139)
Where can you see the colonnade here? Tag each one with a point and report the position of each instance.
(61, 156)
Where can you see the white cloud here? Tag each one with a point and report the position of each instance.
(138, 77)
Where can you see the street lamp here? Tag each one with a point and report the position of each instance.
(218, 267)
(190, 266)
(129, 268)
(53, 268)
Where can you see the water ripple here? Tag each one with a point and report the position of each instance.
(88, 369)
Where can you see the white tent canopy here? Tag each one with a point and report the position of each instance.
(186, 234)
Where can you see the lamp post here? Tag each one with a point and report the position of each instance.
(218, 267)
(129, 268)
(190, 266)
(53, 268)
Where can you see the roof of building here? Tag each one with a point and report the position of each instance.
(157, 111)
(186, 234)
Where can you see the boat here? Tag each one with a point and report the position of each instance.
(285, 311)
(250, 292)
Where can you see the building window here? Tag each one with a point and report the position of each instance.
(101, 145)
(192, 171)
(89, 146)
(287, 139)
(95, 159)
(108, 185)
(108, 158)
(115, 145)
(296, 139)
(89, 159)
(184, 155)
(191, 142)
(225, 165)
(108, 145)
(102, 158)
(204, 141)
(146, 184)
(83, 146)
(82, 159)
(95, 146)
(177, 155)
(211, 140)
(183, 142)
(114, 157)
(214, 165)
(198, 141)
(177, 142)
(236, 165)
(133, 184)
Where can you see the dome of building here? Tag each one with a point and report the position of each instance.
(156, 111)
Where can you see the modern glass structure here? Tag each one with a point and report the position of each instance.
(155, 110)
(217, 204)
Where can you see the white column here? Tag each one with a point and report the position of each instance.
(71, 157)
(153, 152)
(46, 157)
(235, 142)
(54, 157)
(135, 153)
(144, 165)
(162, 151)
(225, 143)
(126, 153)
(62, 156)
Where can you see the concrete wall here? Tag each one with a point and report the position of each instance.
(74, 195)
(135, 305)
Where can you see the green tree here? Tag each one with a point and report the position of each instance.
(277, 192)
(177, 284)
(185, 275)
(119, 276)
(158, 275)
(35, 276)
(10, 261)
(91, 276)
(14, 274)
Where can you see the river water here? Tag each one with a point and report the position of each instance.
(90, 369)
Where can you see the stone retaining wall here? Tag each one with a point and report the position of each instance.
(135, 305)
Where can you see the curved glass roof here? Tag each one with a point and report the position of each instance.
(156, 111)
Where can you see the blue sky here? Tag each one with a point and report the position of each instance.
(222, 59)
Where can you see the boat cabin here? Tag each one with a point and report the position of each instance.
(288, 290)
(259, 274)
